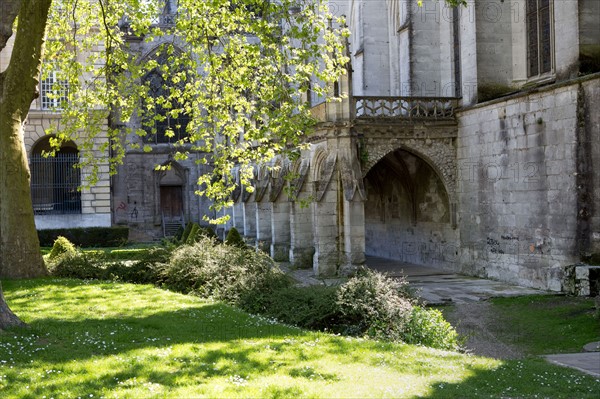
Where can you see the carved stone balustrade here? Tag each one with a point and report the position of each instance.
(429, 108)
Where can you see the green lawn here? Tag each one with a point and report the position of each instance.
(547, 324)
(95, 339)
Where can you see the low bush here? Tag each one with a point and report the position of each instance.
(374, 305)
(62, 246)
(86, 236)
(79, 265)
(235, 275)
(186, 232)
(234, 238)
(429, 328)
(311, 307)
(100, 266)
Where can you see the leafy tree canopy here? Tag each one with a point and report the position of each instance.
(236, 69)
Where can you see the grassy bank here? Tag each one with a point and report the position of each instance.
(95, 339)
(546, 324)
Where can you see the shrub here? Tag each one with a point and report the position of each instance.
(429, 328)
(193, 236)
(87, 236)
(61, 246)
(373, 304)
(234, 238)
(209, 232)
(311, 307)
(186, 232)
(235, 275)
(79, 265)
(100, 266)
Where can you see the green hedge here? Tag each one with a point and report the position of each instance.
(86, 236)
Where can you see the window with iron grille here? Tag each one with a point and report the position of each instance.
(539, 37)
(55, 181)
(53, 91)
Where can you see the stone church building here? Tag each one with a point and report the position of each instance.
(468, 140)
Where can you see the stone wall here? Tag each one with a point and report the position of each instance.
(518, 188)
(136, 191)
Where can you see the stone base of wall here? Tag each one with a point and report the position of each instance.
(72, 221)
(302, 258)
(582, 280)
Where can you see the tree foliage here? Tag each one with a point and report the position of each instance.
(237, 70)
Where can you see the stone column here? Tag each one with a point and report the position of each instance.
(249, 212)
(237, 217)
(301, 237)
(354, 236)
(326, 231)
(280, 229)
(263, 226)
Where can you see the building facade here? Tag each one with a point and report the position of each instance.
(468, 141)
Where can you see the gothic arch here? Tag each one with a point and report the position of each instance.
(439, 154)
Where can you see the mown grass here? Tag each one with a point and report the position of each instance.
(546, 324)
(98, 339)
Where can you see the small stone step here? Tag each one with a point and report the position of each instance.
(592, 347)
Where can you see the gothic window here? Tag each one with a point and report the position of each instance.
(53, 91)
(55, 180)
(539, 37)
(162, 125)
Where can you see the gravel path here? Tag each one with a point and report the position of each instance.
(476, 321)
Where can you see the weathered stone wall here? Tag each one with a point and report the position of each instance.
(589, 162)
(136, 191)
(566, 38)
(494, 42)
(518, 187)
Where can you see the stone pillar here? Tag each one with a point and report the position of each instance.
(280, 229)
(249, 213)
(237, 216)
(301, 237)
(354, 236)
(326, 231)
(263, 226)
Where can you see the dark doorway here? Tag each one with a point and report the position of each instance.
(171, 201)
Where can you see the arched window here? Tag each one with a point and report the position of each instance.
(55, 180)
(159, 123)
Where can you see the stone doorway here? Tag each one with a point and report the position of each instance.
(171, 201)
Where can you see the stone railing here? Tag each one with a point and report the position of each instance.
(405, 107)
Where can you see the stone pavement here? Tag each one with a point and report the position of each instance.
(587, 362)
(439, 287)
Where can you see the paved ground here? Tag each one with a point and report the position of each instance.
(471, 315)
(438, 287)
(588, 362)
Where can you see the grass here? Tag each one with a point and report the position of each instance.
(98, 339)
(547, 324)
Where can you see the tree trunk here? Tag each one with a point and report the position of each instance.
(19, 245)
(7, 317)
